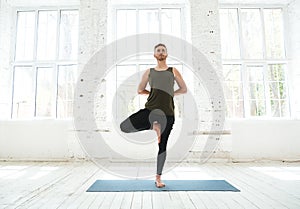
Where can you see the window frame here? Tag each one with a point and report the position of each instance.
(112, 30)
(265, 61)
(112, 26)
(35, 63)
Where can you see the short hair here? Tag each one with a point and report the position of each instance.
(160, 44)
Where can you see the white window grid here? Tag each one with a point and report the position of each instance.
(147, 60)
(136, 8)
(259, 62)
(35, 63)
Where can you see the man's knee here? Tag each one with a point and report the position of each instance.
(124, 127)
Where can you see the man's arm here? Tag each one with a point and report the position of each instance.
(180, 82)
(143, 83)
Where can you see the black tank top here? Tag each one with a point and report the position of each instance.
(162, 91)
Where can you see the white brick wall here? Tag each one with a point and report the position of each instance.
(205, 30)
(205, 35)
(92, 28)
(92, 37)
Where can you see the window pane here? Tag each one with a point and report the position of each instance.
(233, 93)
(24, 92)
(234, 90)
(278, 90)
(274, 93)
(275, 108)
(279, 108)
(148, 21)
(170, 20)
(252, 33)
(232, 72)
(257, 108)
(255, 73)
(277, 85)
(229, 34)
(47, 33)
(67, 77)
(127, 81)
(256, 90)
(285, 110)
(237, 90)
(142, 98)
(274, 33)
(126, 23)
(25, 36)
(282, 90)
(276, 72)
(46, 92)
(68, 35)
(235, 109)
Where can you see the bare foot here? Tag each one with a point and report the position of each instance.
(158, 182)
(156, 128)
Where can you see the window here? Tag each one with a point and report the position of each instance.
(256, 90)
(254, 62)
(45, 63)
(278, 90)
(234, 90)
(152, 20)
(138, 20)
(127, 78)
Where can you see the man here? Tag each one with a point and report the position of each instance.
(158, 113)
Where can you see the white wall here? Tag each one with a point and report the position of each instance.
(265, 140)
(39, 140)
(56, 139)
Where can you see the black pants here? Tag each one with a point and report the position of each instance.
(143, 120)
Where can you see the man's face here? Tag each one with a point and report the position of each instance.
(160, 53)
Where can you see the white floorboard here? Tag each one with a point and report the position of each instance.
(64, 184)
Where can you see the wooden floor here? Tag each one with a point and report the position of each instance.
(64, 185)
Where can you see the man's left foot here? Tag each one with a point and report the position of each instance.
(158, 182)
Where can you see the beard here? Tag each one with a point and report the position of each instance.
(161, 57)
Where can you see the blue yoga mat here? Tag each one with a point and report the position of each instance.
(171, 185)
